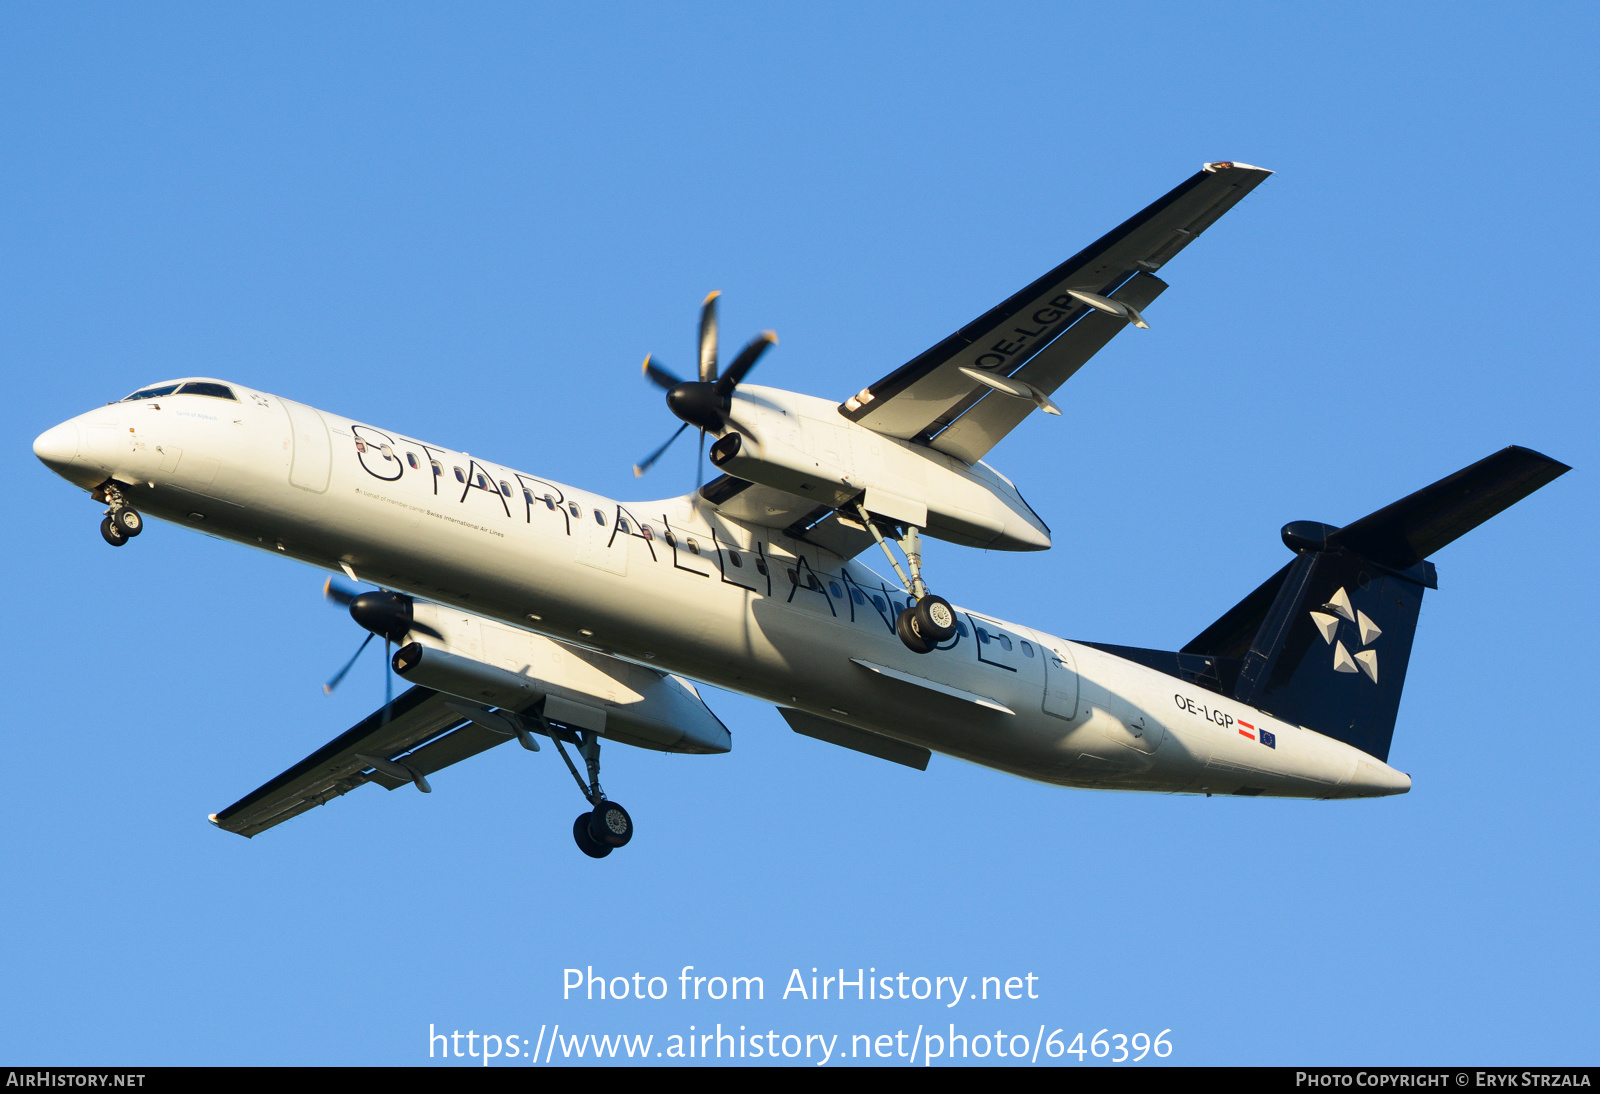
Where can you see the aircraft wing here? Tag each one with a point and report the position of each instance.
(421, 734)
(1043, 333)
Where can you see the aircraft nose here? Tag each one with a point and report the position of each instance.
(57, 446)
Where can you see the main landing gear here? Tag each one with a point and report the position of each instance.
(607, 825)
(928, 620)
(122, 521)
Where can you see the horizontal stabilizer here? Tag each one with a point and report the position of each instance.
(1405, 533)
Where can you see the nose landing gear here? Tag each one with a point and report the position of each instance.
(122, 521)
(607, 825)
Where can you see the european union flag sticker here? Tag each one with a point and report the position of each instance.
(1269, 738)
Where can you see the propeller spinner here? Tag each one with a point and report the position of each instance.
(704, 403)
(381, 614)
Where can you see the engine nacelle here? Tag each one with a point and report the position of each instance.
(804, 447)
(621, 702)
(465, 677)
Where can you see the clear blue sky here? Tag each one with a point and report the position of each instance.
(470, 223)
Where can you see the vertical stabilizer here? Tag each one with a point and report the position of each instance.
(1325, 642)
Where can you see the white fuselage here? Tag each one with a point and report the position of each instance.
(685, 590)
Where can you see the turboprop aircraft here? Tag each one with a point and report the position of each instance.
(524, 608)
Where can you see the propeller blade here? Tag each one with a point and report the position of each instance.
(640, 468)
(658, 375)
(743, 363)
(699, 462)
(327, 689)
(708, 338)
(388, 684)
(340, 594)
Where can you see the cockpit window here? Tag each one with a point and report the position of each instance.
(203, 387)
(194, 387)
(152, 392)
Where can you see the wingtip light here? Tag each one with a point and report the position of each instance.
(1224, 165)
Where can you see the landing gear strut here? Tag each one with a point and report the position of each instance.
(607, 825)
(122, 521)
(928, 620)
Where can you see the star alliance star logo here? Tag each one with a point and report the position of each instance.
(1365, 660)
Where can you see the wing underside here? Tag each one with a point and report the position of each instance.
(419, 733)
(1044, 333)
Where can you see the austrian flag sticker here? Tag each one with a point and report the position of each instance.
(1265, 736)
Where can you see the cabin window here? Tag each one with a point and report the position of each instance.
(877, 602)
(694, 545)
(961, 628)
(461, 476)
(599, 518)
(1027, 648)
(644, 530)
(623, 527)
(483, 482)
(203, 387)
(550, 503)
(505, 488)
(838, 593)
(438, 468)
(411, 458)
(858, 596)
(388, 453)
(361, 445)
(733, 557)
(761, 566)
(672, 540)
(983, 636)
(1004, 640)
(527, 495)
(574, 509)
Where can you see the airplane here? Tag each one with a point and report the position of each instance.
(525, 609)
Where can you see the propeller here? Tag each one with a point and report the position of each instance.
(703, 403)
(327, 689)
(382, 614)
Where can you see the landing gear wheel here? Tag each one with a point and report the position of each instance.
(587, 843)
(610, 825)
(128, 520)
(111, 533)
(913, 641)
(934, 619)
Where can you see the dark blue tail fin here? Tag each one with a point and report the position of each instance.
(1324, 642)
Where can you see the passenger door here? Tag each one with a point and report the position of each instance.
(313, 449)
(1060, 680)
